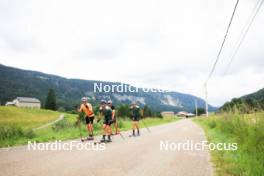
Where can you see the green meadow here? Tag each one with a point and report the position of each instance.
(17, 126)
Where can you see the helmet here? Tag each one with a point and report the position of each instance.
(84, 99)
(134, 103)
(109, 102)
(103, 102)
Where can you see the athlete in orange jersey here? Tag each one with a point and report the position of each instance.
(87, 108)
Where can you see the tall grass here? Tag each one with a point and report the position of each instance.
(245, 130)
(8, 132)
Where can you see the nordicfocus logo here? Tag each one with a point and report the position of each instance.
(122, 88)
(65, 146)
(190, 145)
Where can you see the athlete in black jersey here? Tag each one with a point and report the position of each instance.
(114, 120)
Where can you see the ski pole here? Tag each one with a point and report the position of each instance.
(146, 126)
(122, 136)
(79, 125)
(119, 133)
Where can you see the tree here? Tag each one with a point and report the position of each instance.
(199, 111)
(157, 114)
(123, 111)
(147, 111)
(51, 100)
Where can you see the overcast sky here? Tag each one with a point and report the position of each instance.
(168, 44)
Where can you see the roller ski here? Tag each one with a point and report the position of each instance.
(135, 135)
(103, 140)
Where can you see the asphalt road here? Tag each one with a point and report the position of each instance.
(133, 156)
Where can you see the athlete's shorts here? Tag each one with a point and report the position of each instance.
(107, 121)
(135, 119)
(89, 120)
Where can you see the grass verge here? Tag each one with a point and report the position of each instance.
(245, 130)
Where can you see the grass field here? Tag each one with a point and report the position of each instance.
(26, 118)
(245, 130)
(16, 126)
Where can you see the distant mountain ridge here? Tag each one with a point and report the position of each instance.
(17, 82)
(247, 103)
(258, 96)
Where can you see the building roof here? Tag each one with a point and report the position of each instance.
(190, 114)
(182, 113)
(9, 103)
(167, 112)
(27, 100)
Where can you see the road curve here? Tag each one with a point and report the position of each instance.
(133, 156)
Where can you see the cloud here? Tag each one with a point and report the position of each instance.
(164, 44)
(101, 53)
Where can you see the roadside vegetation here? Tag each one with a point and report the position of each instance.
(247, 130)
(247, 104)
(16, 126)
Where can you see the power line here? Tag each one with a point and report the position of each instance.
(245, 31)
(218, 57)
(222, 45)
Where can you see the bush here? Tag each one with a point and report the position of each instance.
(120, 123)
(61, 109)
(62, 125)
(212, 124)
(71, 112)
(30, 134)
(8, 132)
(123, 111)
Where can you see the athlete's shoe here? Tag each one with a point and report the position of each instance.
(90, 138)
(108, 140)
(102, 140)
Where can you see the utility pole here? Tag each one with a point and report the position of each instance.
(206, 99)
(196, 111)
